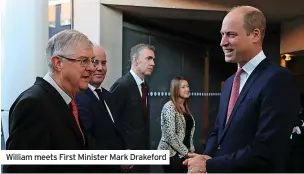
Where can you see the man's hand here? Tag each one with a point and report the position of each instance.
(196, 163)
(192, 155)
(207, 157)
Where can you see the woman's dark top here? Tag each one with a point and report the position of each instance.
(189, 125)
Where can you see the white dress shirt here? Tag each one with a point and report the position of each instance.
(138, 81)
(249, 67)
(64, 95)
(95, 93)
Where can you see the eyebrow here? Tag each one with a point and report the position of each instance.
(87, 57)
(150, 57)
(230, 31)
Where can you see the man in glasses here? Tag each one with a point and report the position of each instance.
(44, 117)
(97, 111)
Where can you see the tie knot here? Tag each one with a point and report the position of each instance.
(99, 93)
(239, 71)
(98, 90)
(143, 84)
(73, 104)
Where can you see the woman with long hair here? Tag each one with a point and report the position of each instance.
(177, 126)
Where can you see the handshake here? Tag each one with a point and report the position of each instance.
(196, 163)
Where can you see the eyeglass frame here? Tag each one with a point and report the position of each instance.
(81, 60)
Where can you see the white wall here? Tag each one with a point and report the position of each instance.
(103, 26)
(24, 37)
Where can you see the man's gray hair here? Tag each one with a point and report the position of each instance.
(64, 43)
(137, 48)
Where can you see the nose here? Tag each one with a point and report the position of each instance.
(153, 64)
(91, 67)
(99, 67)
(224, 40)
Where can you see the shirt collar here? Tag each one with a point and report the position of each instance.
(93, 88)
(137, 79)
(253, 63)
(64, 95)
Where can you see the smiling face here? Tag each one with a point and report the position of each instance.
(235, 41)
(101, 71)
(184, 90)
(242, 41)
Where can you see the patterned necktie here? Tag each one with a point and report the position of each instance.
(144, 91)
(234, 92)
(75, 113)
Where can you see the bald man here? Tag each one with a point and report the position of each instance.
(97, 112)
(258, 105)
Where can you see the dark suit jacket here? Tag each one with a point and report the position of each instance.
(98, 123)
(296, 157)
(256, 136)
(131, 116)
(40, 119)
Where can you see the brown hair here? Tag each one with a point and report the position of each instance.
(174, 93)
(253, 18)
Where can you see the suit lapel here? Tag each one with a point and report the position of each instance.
(101, 107)
(148, 101)
(67, 114)
(90, 93)
(224, 105)
(134, 85)
(106, 98)
(255, 74)
(96, 102)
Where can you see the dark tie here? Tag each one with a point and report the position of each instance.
(144, 91)
(101, 99)
(99, 93)
(75, 113)
(234, 92)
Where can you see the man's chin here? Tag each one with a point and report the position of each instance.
(229, 60)
(97, 81)
(82, 89)
(148, 74)
(84, 86)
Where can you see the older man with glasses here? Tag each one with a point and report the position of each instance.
(45, 117)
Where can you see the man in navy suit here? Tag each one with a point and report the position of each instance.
(258, 105)
(97, 113)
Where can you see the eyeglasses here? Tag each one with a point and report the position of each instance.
(84, 61)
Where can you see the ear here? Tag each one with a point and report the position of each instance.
(256, 35)
(135, 60)
(57, 63)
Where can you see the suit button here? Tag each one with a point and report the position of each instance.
(219, 147)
